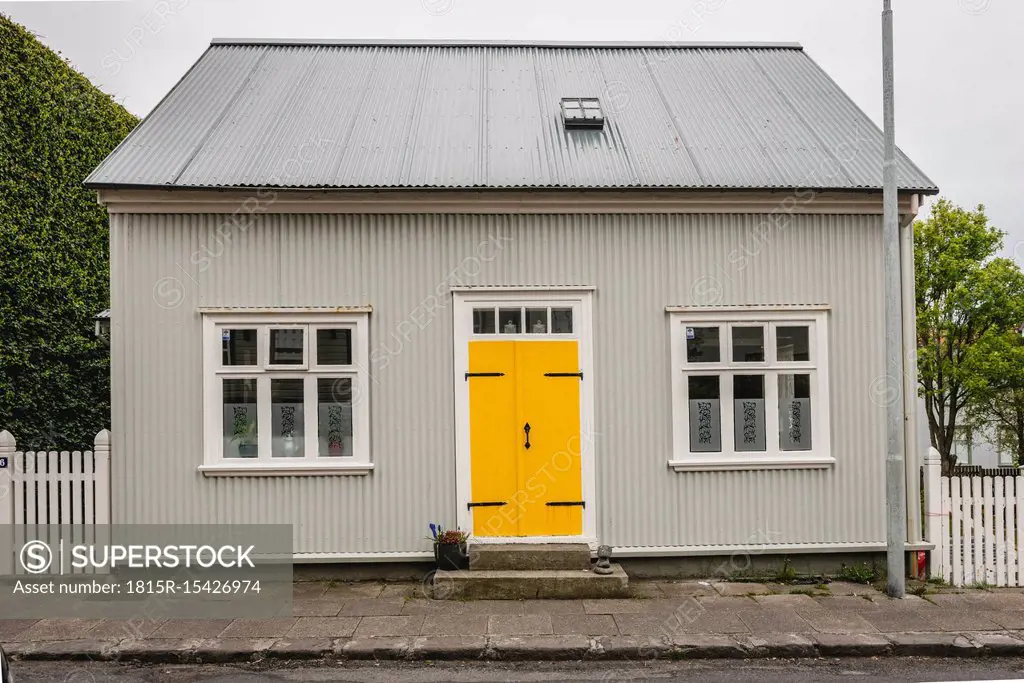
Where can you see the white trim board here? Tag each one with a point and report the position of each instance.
(462, 321)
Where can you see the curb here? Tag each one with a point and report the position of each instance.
(527, 648)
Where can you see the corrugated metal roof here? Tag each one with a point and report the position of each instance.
(378, 114)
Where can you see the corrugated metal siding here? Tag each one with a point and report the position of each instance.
(346, 116)
(639, 264)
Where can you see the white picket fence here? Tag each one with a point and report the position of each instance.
(977, 526)
(40, 490)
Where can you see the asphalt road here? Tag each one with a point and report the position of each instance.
(883, 669)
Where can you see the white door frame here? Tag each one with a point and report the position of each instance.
(464, 299)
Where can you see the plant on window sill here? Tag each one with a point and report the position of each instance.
(244, 433)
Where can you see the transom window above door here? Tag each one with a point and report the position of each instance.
(750, 389)
(523, 320)
(286, 394)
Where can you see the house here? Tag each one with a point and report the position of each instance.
(622, 293)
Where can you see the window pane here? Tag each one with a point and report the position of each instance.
(571, 104)
(561, 320)
(334, 416)
(286, 346)
(537, 320)
(702, 345)
(287, 419)
(241, 428)
(334, 347)
(705, 414)
(238, 347)
(748, 412)
(792, 343)
(795, 412)
(483, 321)
(510, 320)
(748, 344)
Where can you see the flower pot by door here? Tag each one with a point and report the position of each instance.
(451, 556)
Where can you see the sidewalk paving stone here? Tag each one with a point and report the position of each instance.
(634, 605)
(402, 590)
(790, 600)
(584, 624)
(58, 629)
(775, 620)
(552, 606)
(963, 620)
(371, 607)
(1011, 619)
(135, 629)
(459, 625)
(828, 621)
(258, 628)
(489, 607)
(192, 628)
(682, 589)
(891, 620)
(323, 627)
(847, 588)
(439, 607)
(308, 590)
(389, 626)
(730, 589)
(513, 625)
(323, 607)
(11, 629)
(359, 589)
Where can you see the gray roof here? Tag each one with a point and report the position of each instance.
(379, 114)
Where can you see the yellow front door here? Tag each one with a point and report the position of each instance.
(525, 450)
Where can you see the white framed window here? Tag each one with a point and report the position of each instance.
(285, 393)
(750, 388)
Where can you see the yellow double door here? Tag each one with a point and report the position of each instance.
(525, 448)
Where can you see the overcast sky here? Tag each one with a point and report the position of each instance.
(959, 92)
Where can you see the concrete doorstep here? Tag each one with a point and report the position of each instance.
(548, 647)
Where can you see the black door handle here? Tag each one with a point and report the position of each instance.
(526, 429)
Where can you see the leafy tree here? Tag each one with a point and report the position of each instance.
(55, 127)
(995, 387)
(964, 293)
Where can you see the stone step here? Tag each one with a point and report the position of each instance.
(528, 556)
(498, 584)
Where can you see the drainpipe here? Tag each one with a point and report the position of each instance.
(909, 305)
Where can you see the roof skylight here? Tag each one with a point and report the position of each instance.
(582, 112)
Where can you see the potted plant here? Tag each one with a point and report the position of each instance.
(449, 547)
(244, 433)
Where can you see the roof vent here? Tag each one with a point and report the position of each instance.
(582, 112)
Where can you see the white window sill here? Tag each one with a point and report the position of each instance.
(285, 470)
(771, 462)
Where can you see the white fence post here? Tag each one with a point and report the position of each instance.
(933, 513)
(101, 453)
(7, 446)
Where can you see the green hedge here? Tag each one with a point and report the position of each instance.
(55, 127)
